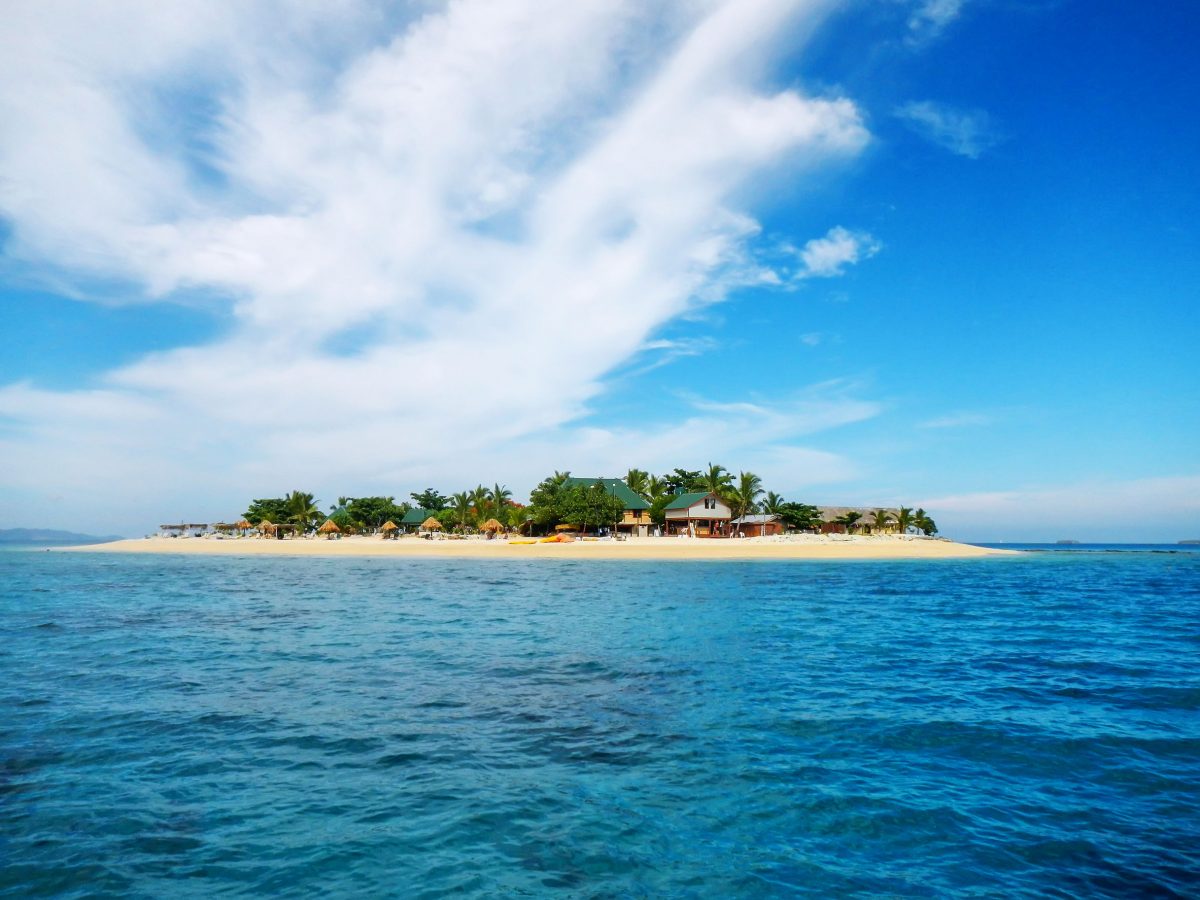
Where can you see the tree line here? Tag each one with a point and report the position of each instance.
(556, 501)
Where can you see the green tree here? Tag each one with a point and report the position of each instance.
(481, 504)
(849, 519)
(772, 503)
(924, 523)
(460, 506)
(882, 518)
(430, 499)
(273, 509)
(499, 496)
(302, 511)
(545, 501)
(681, 481)
(591, 505)
(372, 512)
(799, 516)
(717, 480)
(904, 519)
(655, 488)
(746, 493)
(638, 482)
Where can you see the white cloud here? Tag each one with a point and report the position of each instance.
(966, 133)
(930, 18)
(828, 256)
(485, 211)
(1149, 509)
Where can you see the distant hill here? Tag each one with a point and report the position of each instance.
(50, 536)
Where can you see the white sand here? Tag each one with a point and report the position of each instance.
(789, 547)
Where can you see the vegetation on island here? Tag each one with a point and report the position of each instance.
(560, 501)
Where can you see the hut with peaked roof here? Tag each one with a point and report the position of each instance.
(329, 529)
(431, 524)
(390, 530)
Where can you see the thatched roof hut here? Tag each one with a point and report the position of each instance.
(389, 525)
(491, 525)
(329, 528)
(431, 524)
(244, 525)
(266, 527)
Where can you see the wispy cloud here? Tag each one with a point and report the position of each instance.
(828, 256)
(929, 18)
(966, 133)
(455, 231)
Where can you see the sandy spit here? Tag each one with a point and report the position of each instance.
(792, 547)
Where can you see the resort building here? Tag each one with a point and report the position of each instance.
(414, 517)
(698, 515)
(866, 522)
(761, 525)
(635, 520)
(184, 529)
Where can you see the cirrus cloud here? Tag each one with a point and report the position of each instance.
(485, 188)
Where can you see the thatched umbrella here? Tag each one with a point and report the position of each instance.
(244, 525)
(329, 529)
(491, 525)
(266, 527)
(431, 524)
(389, 528)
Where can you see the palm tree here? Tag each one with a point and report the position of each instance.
(499, 497)
(301, 509)
(639, 482)
(848, 520)
(480, 500)
(772, 504)
(717, 480)
(655, 488)
(519, 517)
(461, 504)
(904, 519)
(923, 522)
(745, 495)
(883, 519)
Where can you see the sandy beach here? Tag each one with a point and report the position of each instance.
(771, 548)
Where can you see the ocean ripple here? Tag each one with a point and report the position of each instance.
(177, 727)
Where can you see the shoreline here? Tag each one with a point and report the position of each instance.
(798, 547)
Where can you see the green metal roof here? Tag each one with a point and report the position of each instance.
(614, 486)
(417, 516)
(683, 501)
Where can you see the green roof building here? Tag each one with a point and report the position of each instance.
(636, 519)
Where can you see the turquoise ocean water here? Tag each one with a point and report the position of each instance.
(178, 727)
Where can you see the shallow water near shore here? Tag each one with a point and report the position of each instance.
(176, 726)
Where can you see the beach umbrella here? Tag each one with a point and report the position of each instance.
(389, 525)
(244, 525)
(431, 524)
(265, 526)
(330, 527)
(491, 525)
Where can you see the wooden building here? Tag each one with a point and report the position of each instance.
(635, 518)
(700, 514)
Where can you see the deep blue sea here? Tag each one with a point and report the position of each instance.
(289, 727)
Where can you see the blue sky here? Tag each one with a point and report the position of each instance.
(938, 252)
